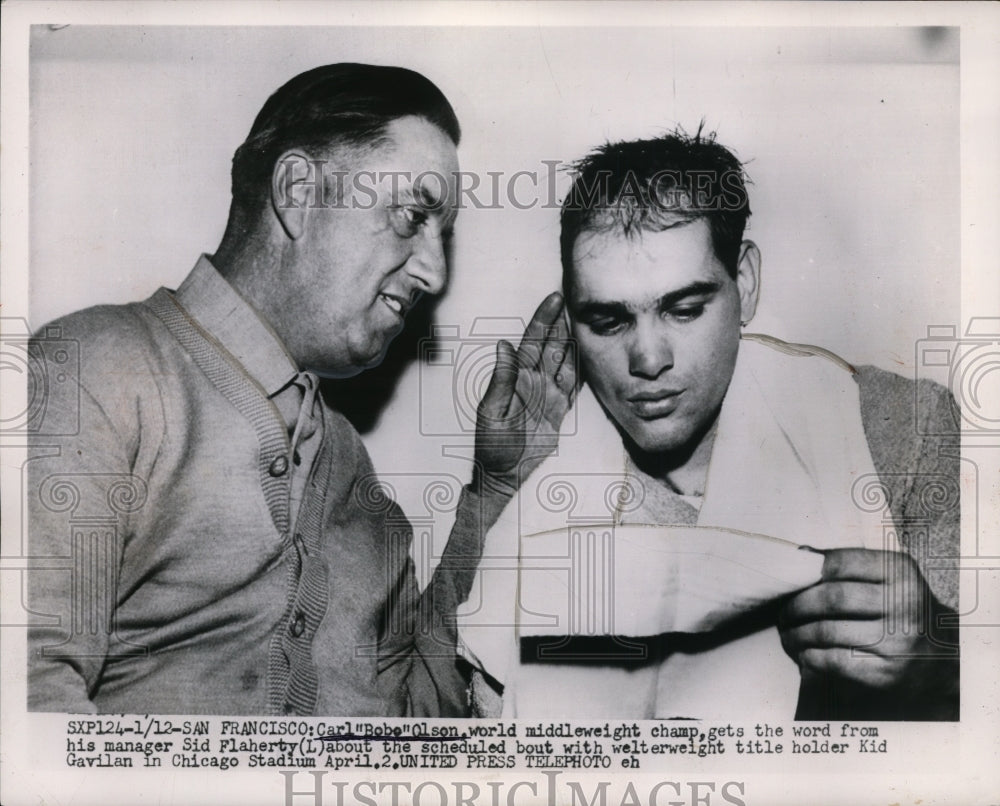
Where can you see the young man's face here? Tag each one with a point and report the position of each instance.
(657, 318)
(364, 261)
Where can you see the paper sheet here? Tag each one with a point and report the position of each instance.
(646, 580)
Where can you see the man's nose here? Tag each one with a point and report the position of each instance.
(428, 264)
(649, 350)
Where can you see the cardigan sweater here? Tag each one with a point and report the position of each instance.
(170, 573)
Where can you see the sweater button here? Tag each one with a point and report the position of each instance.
(298, 625)
(279, 466)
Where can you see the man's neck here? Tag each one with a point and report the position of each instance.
(684, 471)
(248, 265)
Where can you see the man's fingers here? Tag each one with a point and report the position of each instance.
(554, 347)
(559, 361)
(826, 660)
(864, 565)
(566, 375)
(496, 402)
(864, 667)
(843, 633)
(546, 315)
(832, 600)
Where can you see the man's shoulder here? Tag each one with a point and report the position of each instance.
(122, 322)
(104, 337)
(104, 359)
(894, 407)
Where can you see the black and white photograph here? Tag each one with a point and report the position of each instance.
(460, 404)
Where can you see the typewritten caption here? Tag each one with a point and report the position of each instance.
(352, 744)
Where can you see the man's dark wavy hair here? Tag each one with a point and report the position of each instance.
(652, 185)
(331, 106)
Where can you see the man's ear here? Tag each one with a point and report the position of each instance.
(293, 191)
(748, 279)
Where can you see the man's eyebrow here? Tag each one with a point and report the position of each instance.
(695, 289)
(428, 198)
(436, 204)
(591, 307)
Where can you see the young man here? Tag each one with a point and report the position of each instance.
(686, 421)
(231, 552)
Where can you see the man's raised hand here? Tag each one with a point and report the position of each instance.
(530, 392)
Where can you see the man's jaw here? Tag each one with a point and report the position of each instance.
(662, 456)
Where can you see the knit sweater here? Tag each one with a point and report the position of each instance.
(170, 576)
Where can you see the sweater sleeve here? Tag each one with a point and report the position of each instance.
(436, 678)
(79, 489)
(913, 434)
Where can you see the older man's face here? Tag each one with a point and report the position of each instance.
(363, 262)
(657, 318)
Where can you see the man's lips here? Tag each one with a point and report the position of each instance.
(656, 403)
(395, 303)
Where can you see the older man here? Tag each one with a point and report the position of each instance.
(232, 552)
(661, 562)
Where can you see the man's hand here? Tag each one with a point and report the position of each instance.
(529, 394)
(872, 621)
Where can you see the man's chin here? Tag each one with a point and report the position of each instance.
(655, 445)
(375, 359)
(359, 362)
(667, 444)
(655, 437)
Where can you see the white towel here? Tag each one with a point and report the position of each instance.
(789, 446)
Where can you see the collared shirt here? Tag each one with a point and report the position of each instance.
(218, 308)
